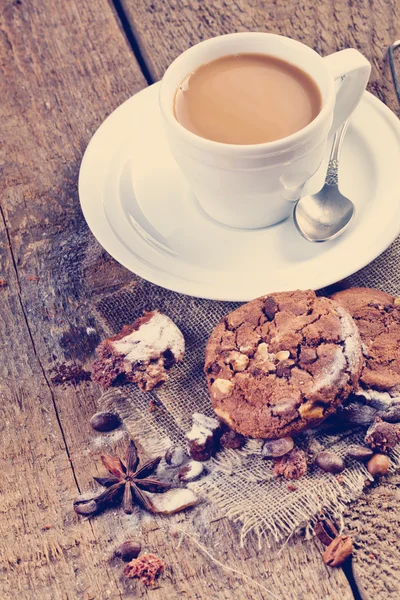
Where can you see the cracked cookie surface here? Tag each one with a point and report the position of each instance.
(282, 363)
(377, 315)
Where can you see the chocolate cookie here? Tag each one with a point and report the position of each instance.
(140, 353)
(282, 363)
(377, 315)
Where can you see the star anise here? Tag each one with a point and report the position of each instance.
(126, 485)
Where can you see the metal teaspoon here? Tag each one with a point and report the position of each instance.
(325, 215)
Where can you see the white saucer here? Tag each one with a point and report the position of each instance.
(139, 207)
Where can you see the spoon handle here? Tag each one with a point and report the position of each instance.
(333, 165)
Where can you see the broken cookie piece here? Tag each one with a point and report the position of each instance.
(141, 353)
(203, 439)
(292, 465)
(382, 436)
(147, 568)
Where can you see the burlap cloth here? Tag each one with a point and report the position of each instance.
(239, 483)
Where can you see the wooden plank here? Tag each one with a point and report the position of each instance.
(64, 69)
(165, 28)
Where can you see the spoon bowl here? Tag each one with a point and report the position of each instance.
(323, 216)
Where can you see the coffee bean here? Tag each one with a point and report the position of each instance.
(276, 448)
(378, 465)
(338, 551)
(360, 453)
(232, 439)
(174, 456)
(325, 531)
(329, 462)
(105, 421)
(128, 550)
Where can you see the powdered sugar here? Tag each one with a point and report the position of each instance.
(351, 337)
(332, 374)
(191, 471)
(152, 339)
(379, 400)
(206, 422)
(347, 358)
(203, 428)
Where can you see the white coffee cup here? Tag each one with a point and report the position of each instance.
(251, 186)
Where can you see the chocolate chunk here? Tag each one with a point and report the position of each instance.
(291, 466)
(270, 308)
(283, 370)
(232, 439)
(308, 356)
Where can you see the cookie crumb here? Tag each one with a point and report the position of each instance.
(382, 436)
(152, 406)
(147, 568)
(292, 465)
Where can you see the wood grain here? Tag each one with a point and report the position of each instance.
(165, 28)
(63, 70)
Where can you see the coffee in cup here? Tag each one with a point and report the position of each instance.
(247, 98)
(244, 184)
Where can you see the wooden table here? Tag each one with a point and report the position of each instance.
(65, 66)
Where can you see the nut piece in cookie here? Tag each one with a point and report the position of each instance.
(203, 439)
(282, 363)
(141, 353)
(292, 465)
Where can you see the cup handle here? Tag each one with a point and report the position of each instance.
(354, 70)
